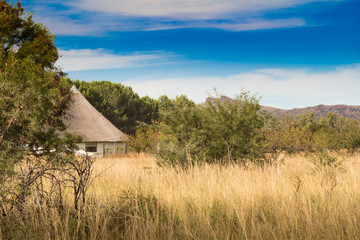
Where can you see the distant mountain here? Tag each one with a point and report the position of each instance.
(319, 110)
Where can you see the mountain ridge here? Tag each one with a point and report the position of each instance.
(350, 111)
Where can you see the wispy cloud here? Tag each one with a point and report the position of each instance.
(96, 17)
(65, 27)
(284, 88)
(62, 26)
(92, 59)
(233, 25)
(256, 24)
(190, 9)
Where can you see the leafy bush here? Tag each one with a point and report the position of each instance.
(308, 133)
(145, 139)
(221, 130)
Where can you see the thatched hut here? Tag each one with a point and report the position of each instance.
(99, 134)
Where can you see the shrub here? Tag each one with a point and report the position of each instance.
(222, 130)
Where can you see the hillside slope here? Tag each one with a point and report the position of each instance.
(319, 110)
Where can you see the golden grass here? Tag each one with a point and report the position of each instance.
(133, 198)
(291, 201)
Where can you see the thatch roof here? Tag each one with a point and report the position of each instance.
(85, 120)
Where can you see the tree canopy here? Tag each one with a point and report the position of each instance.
(220, 130)
(33, 93)
(22, 37)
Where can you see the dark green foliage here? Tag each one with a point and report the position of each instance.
(232, 128)
(219, 131)
(33, 100)
(20, 36)
(350, 135)
(119, 104)
(180, 131)
(33, 94)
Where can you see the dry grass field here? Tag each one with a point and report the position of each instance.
(133, 198)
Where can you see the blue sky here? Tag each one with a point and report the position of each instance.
(292, 53)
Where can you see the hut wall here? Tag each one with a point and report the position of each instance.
(100, 149)
(121, 147)
(81, 146)
(110, 148)
(104, 148)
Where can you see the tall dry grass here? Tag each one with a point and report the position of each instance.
(133, 198)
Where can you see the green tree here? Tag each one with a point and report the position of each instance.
(232, 128)
(33, 93)
(350, 135)
(222, 130)
(179, 132)
(21, 37)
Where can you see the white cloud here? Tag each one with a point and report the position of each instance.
(283, 88)
(96, 17)
(65, 27)
(62, 26)
(255, 24)
(191, 9)
(234, 25)
(91, 59)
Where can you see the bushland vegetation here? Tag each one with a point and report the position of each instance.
(180, 132)
(218, 131)
(218, 170)
(226, 130)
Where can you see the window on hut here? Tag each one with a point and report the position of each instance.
(90, 147)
